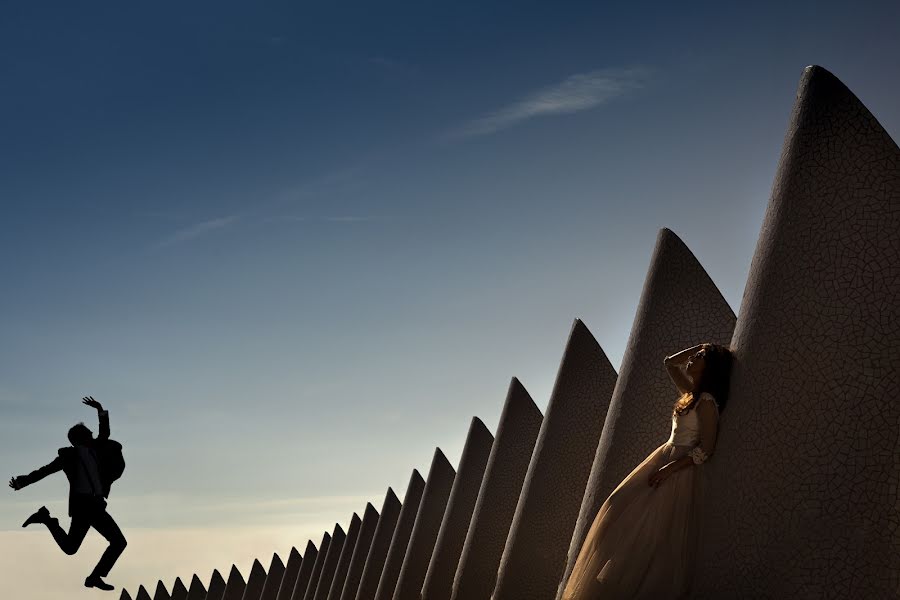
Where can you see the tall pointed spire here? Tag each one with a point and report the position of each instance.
(360, 552)
(274, 577)
(455, 524)
(535, 554)
(291, 572)
(255, 582)
(803, 490)
(217, 584)
(425, 531)
(391, 511)
(196, 591)
(504, 475)
(387, 581)
(235, 586)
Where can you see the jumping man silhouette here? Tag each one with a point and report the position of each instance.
(91, 465)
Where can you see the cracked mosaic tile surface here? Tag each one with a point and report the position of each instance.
(535, 554)
(455, 523)
(804, 489)
(440, 480)
(504, 475)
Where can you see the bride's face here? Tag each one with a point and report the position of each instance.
(695, 365)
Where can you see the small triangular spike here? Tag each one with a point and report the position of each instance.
(161, 592)
(196, 591)
(179, 592)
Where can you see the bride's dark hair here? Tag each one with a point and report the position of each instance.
(714, 379)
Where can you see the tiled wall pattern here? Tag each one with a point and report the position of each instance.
(804, 490)
(425, 531)
(455, 522)
(804, 494)
(535, 555)
(504, 476)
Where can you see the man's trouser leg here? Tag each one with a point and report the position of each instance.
(106, 526)
(70, 542)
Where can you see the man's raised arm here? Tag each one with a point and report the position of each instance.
(102, 415)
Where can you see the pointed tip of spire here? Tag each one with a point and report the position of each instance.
(310, 546)
(294, 552)
(479, 426)
(276, 561)
(355, 518)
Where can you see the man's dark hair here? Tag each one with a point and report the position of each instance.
(80, 434)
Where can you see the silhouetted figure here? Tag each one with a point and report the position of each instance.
(91, 465)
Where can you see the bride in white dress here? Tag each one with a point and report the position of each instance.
(643, 541)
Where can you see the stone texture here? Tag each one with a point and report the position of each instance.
(274, 577)
(216, 590)
(196, 591)
(291, 572)
(354, 540)
(360, 552)
(161, 592)
(534, 558)
(504, 475)
(310, 558)
(381, 543)
(255, 582)
(343, 562)
(680, 306)
(179, 592)
(316, 573)
(425, 531)
(142, 594)
(804, 485)
(455, 523)
(235, 586)
(387, 580)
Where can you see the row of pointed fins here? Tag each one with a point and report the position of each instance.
(824, 285)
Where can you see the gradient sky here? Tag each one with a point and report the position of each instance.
(294, 248)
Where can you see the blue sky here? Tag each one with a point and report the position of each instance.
(292, 247)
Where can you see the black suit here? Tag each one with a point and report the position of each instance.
(86, 509)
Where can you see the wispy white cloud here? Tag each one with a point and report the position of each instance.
(579, 92)
(197, 230)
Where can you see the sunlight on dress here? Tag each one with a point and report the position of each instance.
(643, 541)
